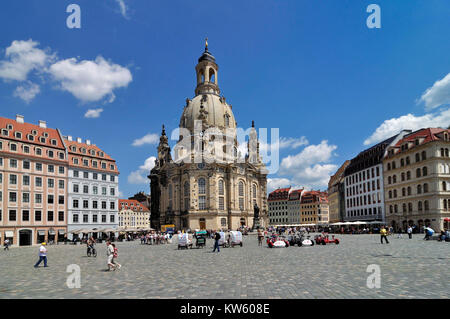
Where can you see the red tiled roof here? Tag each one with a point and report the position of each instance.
(280, 193)
(428, 134)
(78, 154)
(126, 204)
(27, 129)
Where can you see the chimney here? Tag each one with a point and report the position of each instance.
(88, 142)
(79, 139)
(19, 118)
(42, 124)
(69, 138)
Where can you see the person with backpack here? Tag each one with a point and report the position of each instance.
(216, 242)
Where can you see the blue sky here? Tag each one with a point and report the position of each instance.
(311, 68)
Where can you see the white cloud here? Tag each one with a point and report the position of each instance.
(90, 81)
(274, 183)
(93, 113)
(21, 58)
(309, 169)
(123, 8)
(148, 164)
(438, 94)
(147, 139)
(27, 91)
(393, 126)
(140, 176)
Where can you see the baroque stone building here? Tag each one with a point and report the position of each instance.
(208, 184)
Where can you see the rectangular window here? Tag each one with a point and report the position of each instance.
(12, 215)
(75, 218)
(85, 204)
(95, 190)
(111, 218)
(94, 204)
(26, 165)
(103, 205)
(49, 216)
(85, 218)
(85, 175)
(12, 197)
(60, 216)
(112, 178)
(61, 200)
(103, 218)
(37, 215)
(103, 190)
(94, 175)
(38, 198)
(12, 179)
(85, 189)
(75, 203)
(202, 202)
(112, 205)
(94, 218)
(50, 199)
(25, 215)
(75, 188)
(26, 180)
(51, 183)
(75, 173)
(61, 184)
(103, 177)
(61, 170)
(25, 197)
(112, 191)
(39, 167)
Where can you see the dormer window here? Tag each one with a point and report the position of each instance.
(83, 150)
(30, 138)
(42, 139)
(92, 152)
(54, 142)
(45, 134)
(73, 148)
(18, 135)
(5, 132)
(75, 161)
(9, 127)
(34, 132)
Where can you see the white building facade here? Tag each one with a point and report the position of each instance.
(364, 185)
(93, 190)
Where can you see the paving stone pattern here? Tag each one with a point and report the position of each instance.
(409, 269)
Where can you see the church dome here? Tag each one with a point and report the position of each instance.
(211, 109)
(207, 106)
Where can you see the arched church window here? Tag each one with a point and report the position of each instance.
(201, 186)
(241, 195)
(254, 193)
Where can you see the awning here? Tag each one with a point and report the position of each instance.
(41, 232)
(51, 232)
(446, 219)
(61, 231)
(9, 234)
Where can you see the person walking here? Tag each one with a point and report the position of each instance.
(400, 235)
(260, 237)
(42, 255)
(216, 242)
(6, 243)
(110, 255)
(409, 231)
(115, 255)
(383, 233)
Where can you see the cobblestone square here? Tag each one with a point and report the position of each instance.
(409, 269)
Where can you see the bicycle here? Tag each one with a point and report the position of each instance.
(91, 251)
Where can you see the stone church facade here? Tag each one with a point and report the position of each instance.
(205, 182)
